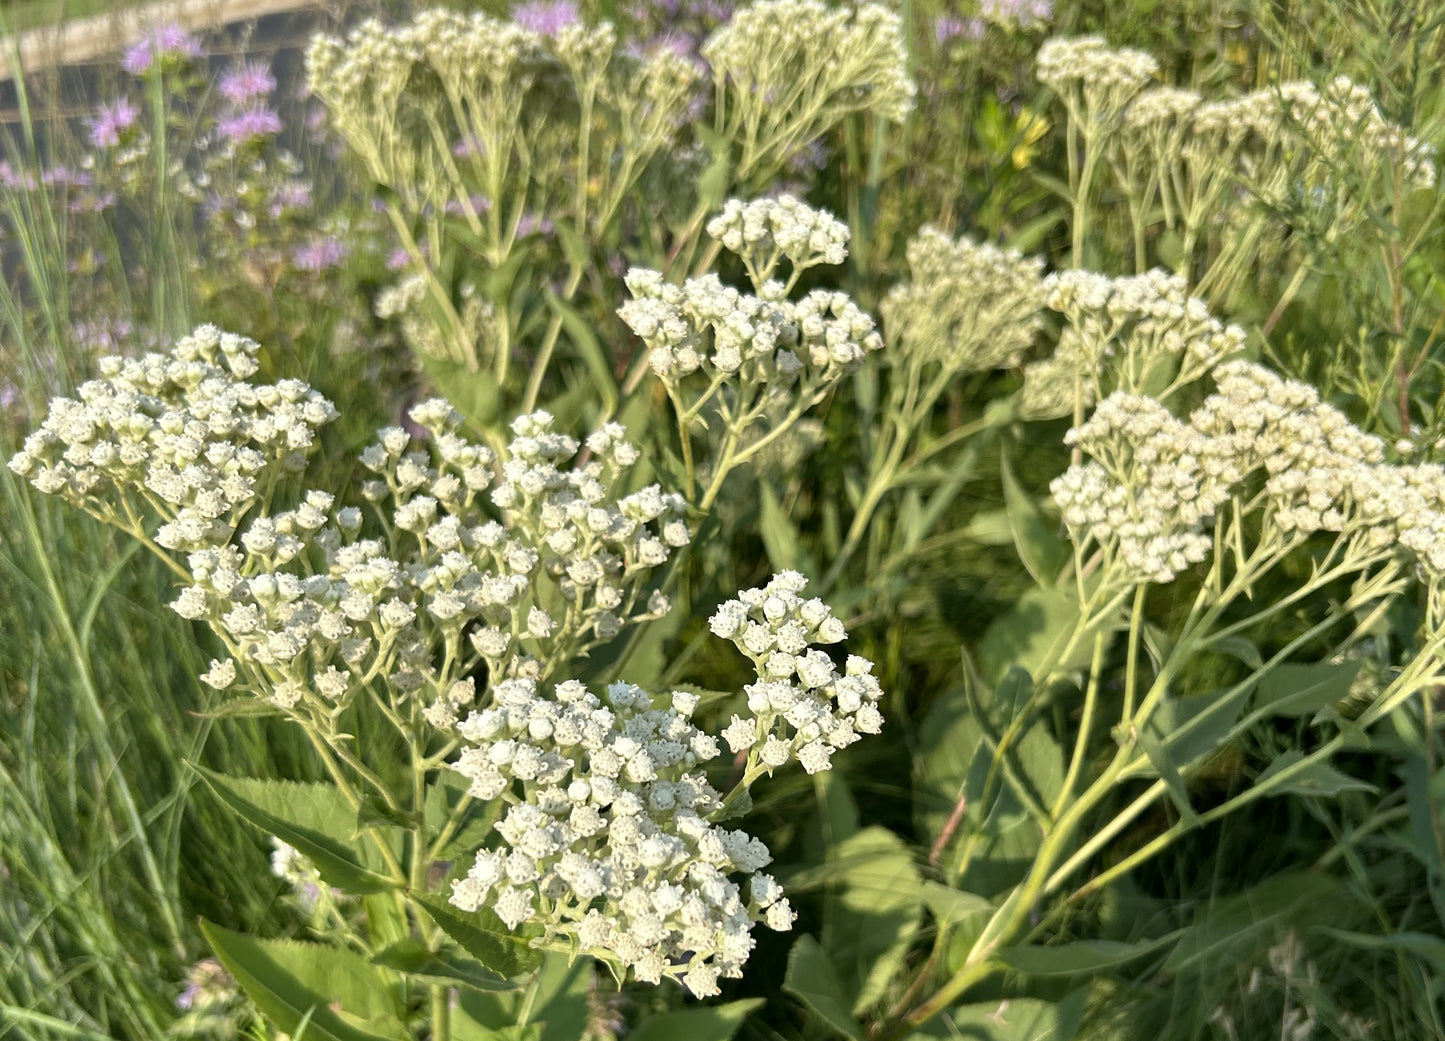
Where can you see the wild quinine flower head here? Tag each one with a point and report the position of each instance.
(801, 707)
(1338, 122)
(184, 436)
(753, 340)
(1123, 333)
(766, 230)
(494, 85)
(517, 564)
(788, 70)
(611, 837)
(968, 306)
(1149, 489)
(612, 843)
(1096, 82)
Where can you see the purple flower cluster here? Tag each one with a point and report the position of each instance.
(246, 82)
(546, 17)
(247, 118)
(112, 122)
(320, 254)
(170, 42)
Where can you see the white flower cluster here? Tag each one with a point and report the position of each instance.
(969, 306)
(1150, 487)
(296, 869)
(1340, 122)
(1153, 483)
(459, 113)
(611, 838)
(764, 230)
(802, 708)
(564, 568)
(796, 57)
(1086, 68)
(1121, 333)
(183, 435)
(764, 339)
(612, 844)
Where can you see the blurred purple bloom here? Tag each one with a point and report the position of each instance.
(101, 335)
(480, 204)
(168, 41)
(546, 17)
(948, 27)
(397, 259)
(60, 175)
(290, 195)
(240, 127)
(531, 224)
(468, 146)
(91, 203)
(110, 121)
(319, 254)
(16, 180)
(245, 82)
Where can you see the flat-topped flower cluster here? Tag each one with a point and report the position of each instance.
(615, 842)
(1152, 485)
(474, 565)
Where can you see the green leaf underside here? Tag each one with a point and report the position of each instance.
(813, 980)
(268, 972)
(483, 935)
(279, 807)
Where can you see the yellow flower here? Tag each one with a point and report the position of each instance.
(1029, 129)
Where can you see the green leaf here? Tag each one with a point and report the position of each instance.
(1019, 1019)
(1303, 690)
(1035, 629)
(266, 973)
(715, 1023)
(1190, 728)
(475, 394)
(990, 528)
(1292, 774)
(812, 979)
(1039, 547)
(1234, 924)
(872, 919)
(949, 905)
(589, 348)
(311, 817)
(1164, 766)
(780, 538)
(1087, 956)
(485, 937)
(574, 247)
(413, 958)
(1417, 945)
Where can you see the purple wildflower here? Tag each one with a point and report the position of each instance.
(16, 180)
(61, 175)
(948, 27)
(168, 41)
(245, 82)
(290, 195)
(546, 17)
(101, 335)
(111, 121)
(479, 203)
(531, 224)
(319, 254)
(241, 127)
